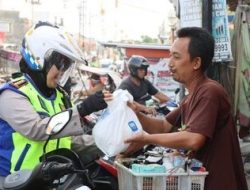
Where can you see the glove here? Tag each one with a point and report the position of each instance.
(92, 104)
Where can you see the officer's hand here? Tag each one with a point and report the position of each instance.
(93, 103)
(108, 96)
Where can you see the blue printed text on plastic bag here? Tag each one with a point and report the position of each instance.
(133, 126)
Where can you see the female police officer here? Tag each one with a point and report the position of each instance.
(29, 100)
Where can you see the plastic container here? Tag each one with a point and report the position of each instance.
(129, 180)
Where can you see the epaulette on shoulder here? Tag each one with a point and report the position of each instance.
(19, 83)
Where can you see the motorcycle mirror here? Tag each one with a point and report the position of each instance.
(55, 125)
(58, 122)
(177, 90)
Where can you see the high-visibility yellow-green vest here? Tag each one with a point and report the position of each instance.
(27, 152)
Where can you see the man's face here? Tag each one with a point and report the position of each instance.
(180, 64)
(141, 73)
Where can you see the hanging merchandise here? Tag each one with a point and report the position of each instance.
(220, 31)
(241, 49)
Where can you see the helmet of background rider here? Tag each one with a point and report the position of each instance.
(137, 62)
(45, 45)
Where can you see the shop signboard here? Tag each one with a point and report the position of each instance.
(191, 13)
(220, 31)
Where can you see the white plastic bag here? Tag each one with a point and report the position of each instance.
(117, 123)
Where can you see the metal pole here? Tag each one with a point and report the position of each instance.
(172, 34)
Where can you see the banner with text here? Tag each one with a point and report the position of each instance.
(191, 13)
(220, 31)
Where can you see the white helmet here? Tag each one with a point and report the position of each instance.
(43, 41)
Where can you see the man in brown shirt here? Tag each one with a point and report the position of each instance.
(204, 115)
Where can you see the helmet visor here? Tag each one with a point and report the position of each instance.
(64, 64)
(60, 61)
(66, 74)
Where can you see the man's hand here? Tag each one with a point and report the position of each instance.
(150, 110)
(137, 138)
(133, 147)
(136, 107)
(133, 106)
(136, 143)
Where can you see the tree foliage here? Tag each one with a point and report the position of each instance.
(148, 40)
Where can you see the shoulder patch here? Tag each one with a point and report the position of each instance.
(19, 83)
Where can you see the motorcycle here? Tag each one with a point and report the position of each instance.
(106, 173)
(163, 109)
(60, 169)
(102, 167)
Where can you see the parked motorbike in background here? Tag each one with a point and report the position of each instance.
(163, 109)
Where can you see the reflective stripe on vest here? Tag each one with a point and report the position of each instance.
(27, 152)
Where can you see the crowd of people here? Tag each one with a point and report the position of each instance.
(206, 127)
